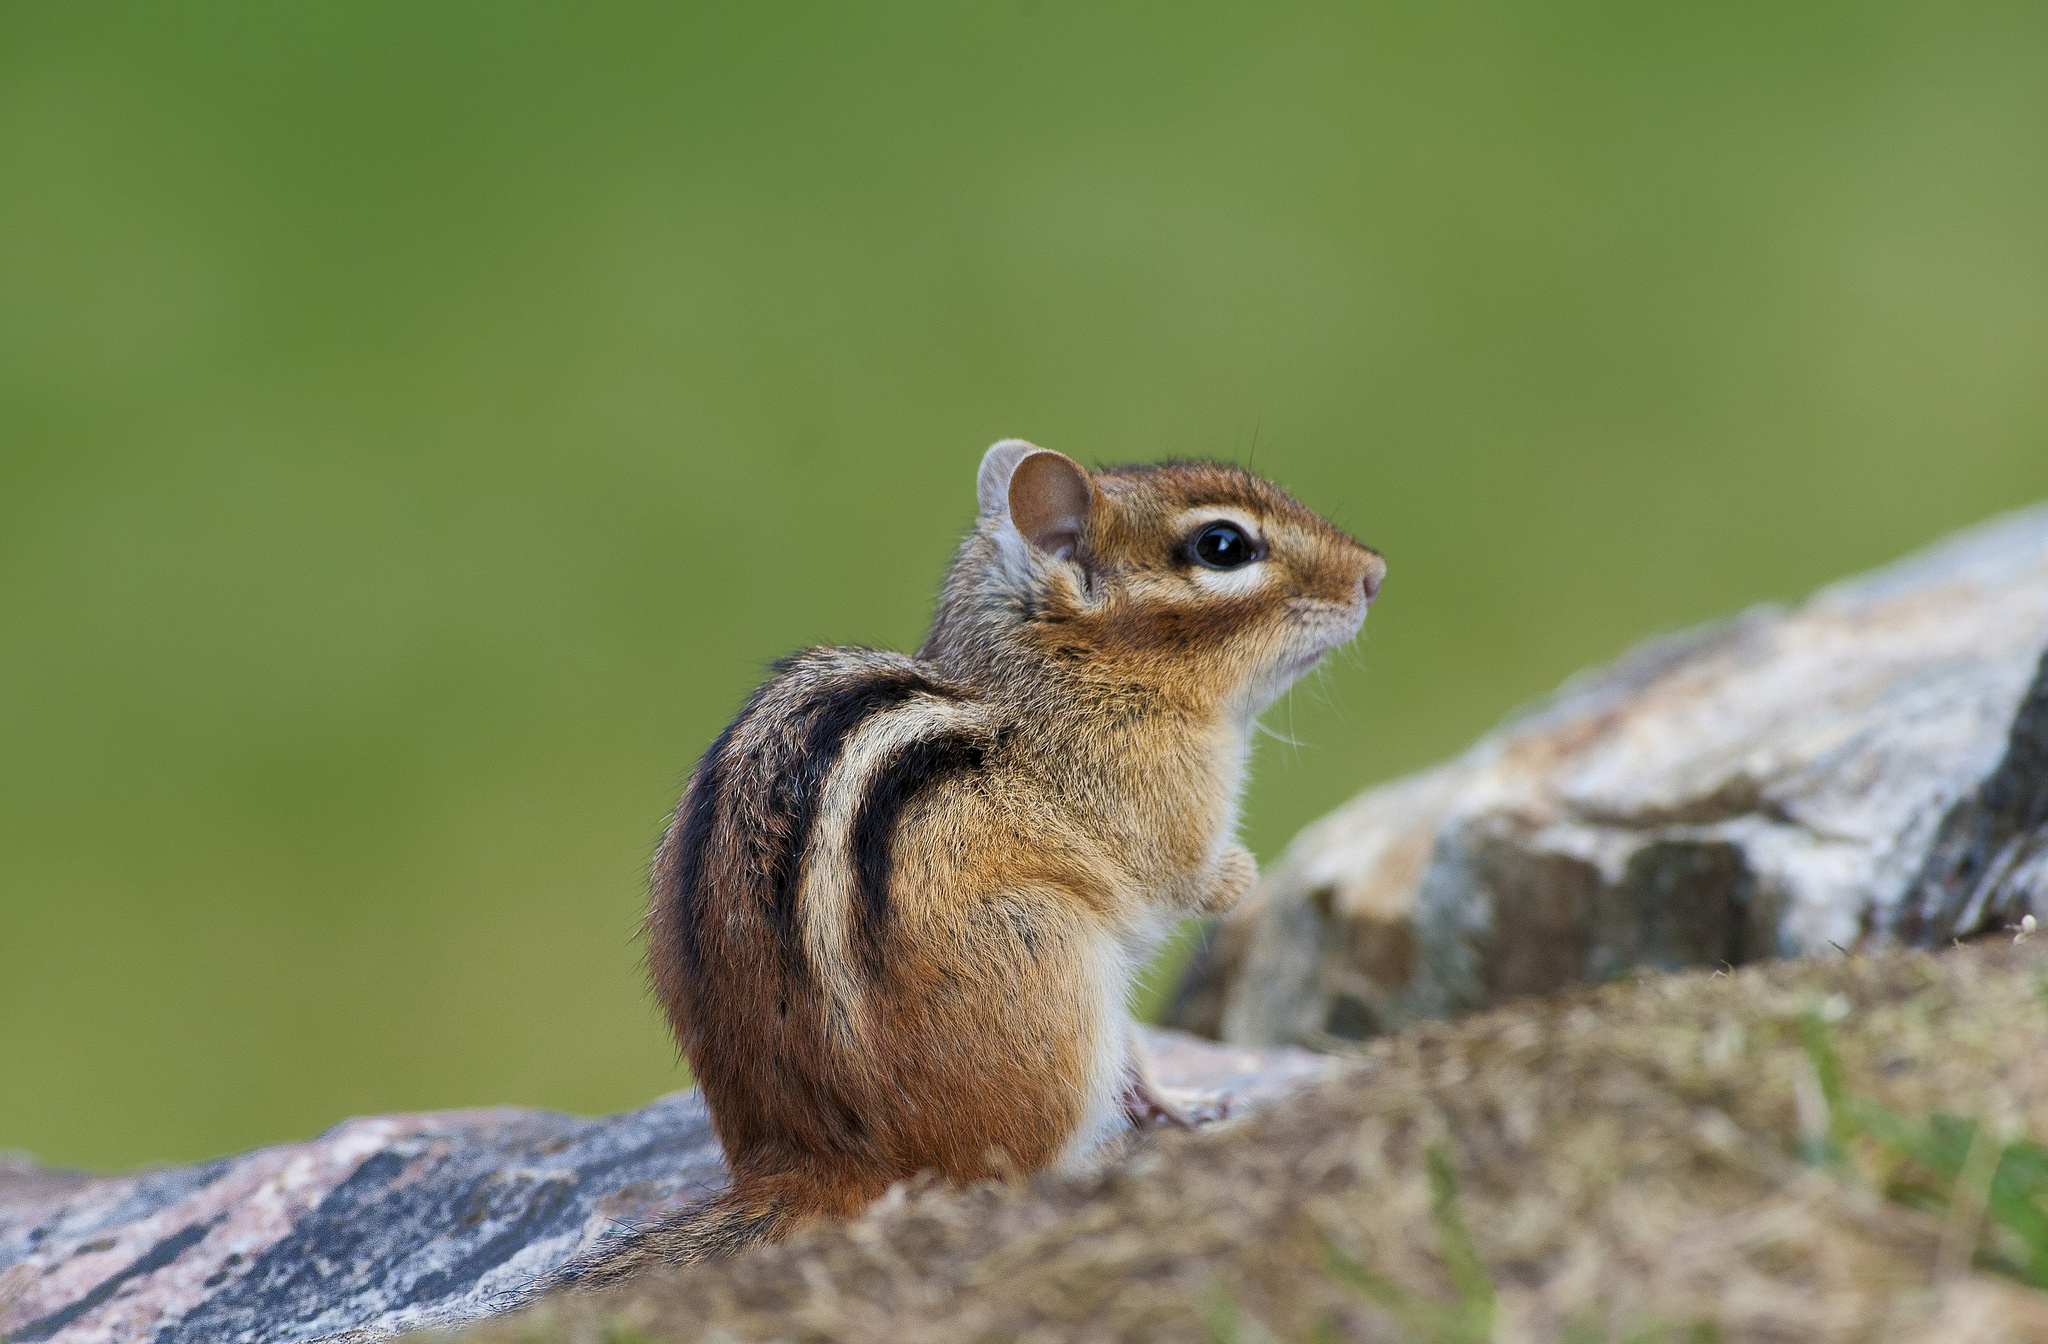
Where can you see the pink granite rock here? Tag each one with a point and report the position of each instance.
(391, 1223)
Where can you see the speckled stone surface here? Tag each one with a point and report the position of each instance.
(392, 1223)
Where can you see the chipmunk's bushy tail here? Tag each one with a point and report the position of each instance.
(745, 1215)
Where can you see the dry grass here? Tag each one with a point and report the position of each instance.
(1626, 1161)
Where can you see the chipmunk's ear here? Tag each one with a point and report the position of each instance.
(1044, 495)
(1050, 495)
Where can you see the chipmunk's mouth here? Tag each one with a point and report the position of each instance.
(1325, 628)
(1325, 625)
(1318, 627)
(1302, 663)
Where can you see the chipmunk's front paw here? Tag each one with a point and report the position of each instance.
(1236, 873)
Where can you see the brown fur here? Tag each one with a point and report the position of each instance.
(898, 909)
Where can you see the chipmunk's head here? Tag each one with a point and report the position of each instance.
(1194, 577)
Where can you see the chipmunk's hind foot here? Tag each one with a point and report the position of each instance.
(1146, 1103)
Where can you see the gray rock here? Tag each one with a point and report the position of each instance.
(395, 1222)
(1869, 767)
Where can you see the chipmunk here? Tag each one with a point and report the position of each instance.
(897, 914)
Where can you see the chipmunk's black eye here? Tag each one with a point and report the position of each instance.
(1224, 546)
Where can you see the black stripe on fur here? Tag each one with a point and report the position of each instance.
(914, 768)
(799, 783)
(685, 903)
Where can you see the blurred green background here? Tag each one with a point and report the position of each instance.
(420, 422)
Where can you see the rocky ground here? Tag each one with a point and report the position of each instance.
(1833, 1147)
(1693, 1156)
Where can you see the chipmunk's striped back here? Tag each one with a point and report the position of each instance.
(749, 816)
(729, 875)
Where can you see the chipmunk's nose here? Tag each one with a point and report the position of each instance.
(1375, 570)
